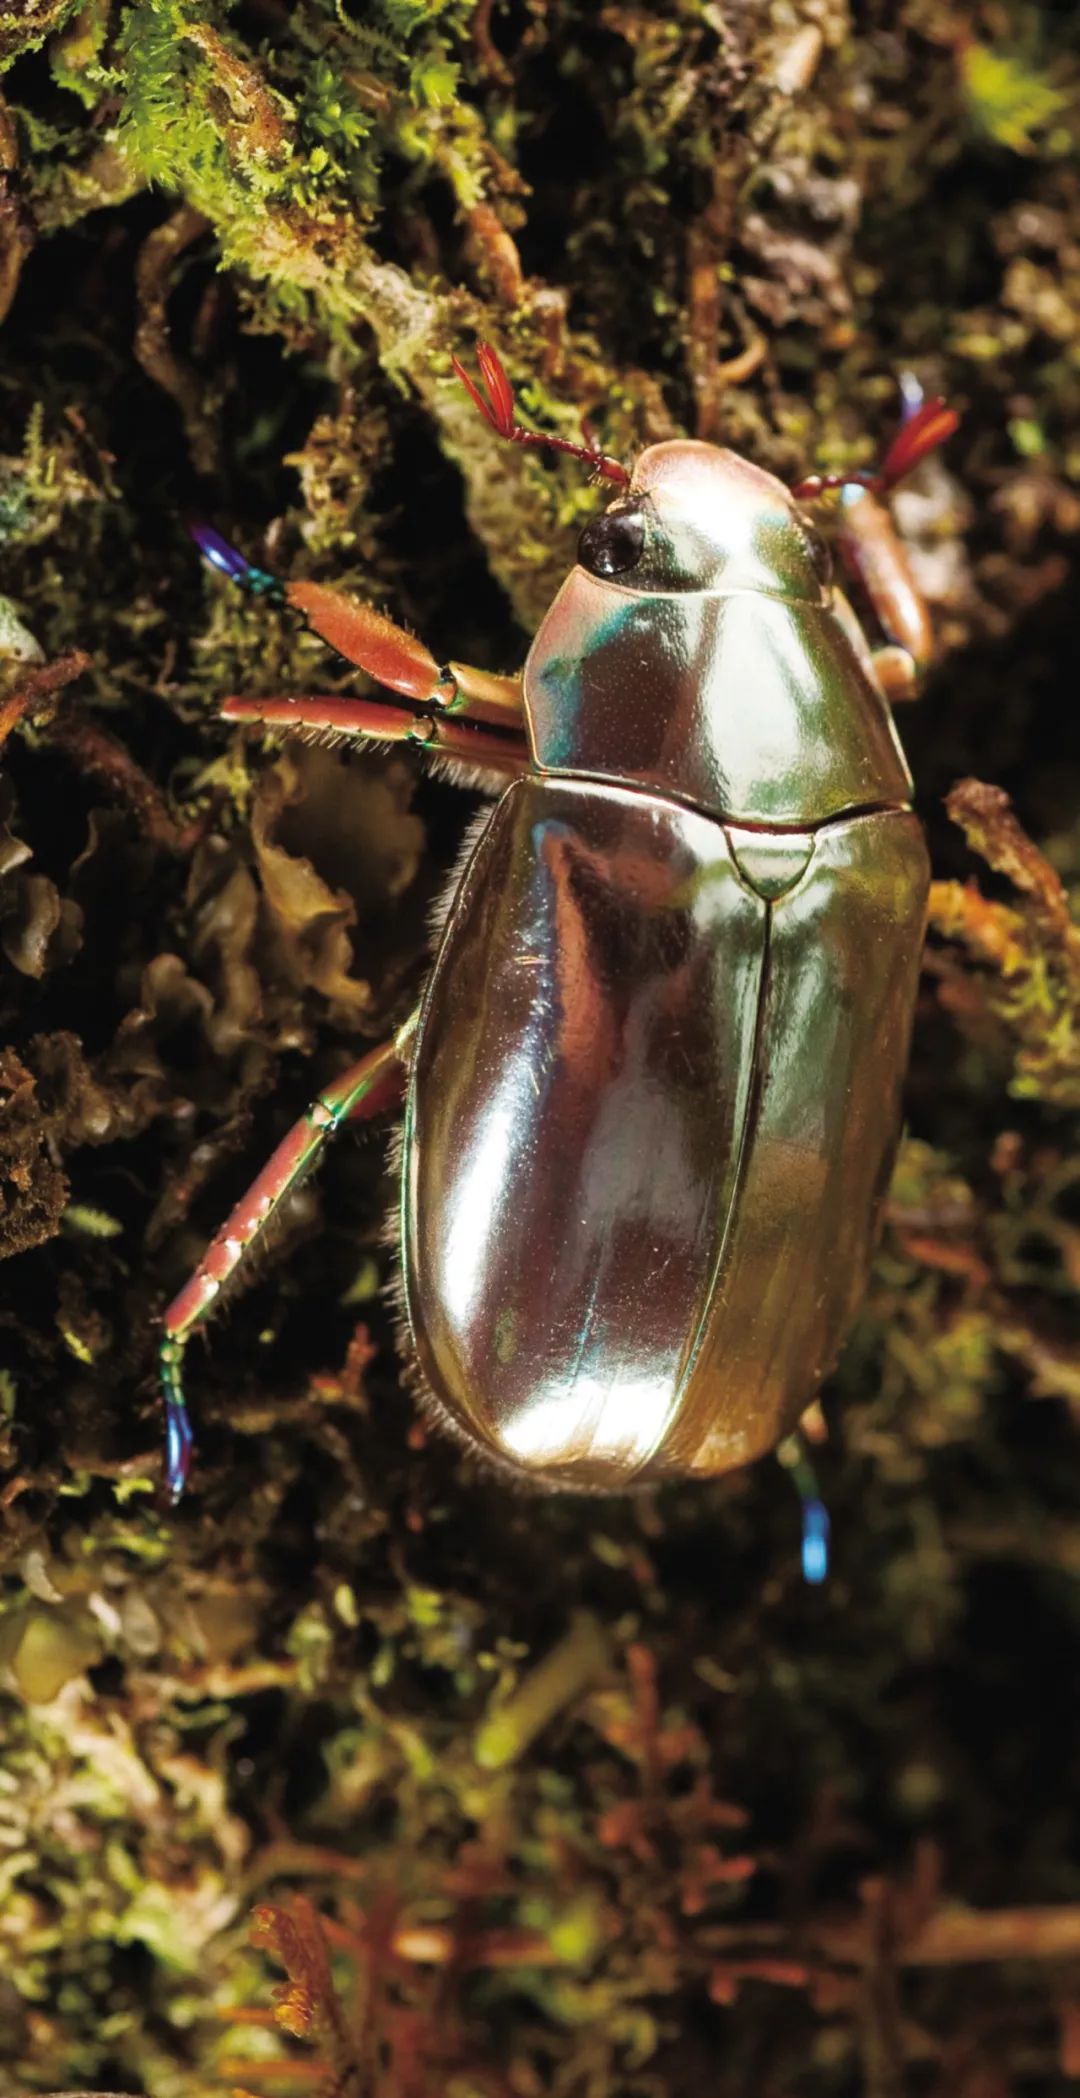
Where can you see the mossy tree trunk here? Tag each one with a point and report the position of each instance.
(590, 1799)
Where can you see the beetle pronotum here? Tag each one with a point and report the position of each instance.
(652, 1089)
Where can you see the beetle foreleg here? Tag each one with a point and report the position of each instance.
(366, 637)
(873, 552)
(362, 1090)
(483, 695)
(388, 652)
(396, 658)
(897, 672)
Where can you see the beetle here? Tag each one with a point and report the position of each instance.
(652, 1089)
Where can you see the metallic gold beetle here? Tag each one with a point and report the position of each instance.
(653, 1087)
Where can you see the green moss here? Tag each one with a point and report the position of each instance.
(24, 27)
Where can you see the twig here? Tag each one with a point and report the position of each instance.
(153, 345)
(102, 758)
(39, 684)
(16, 225)
(953, 1937)
(489, 58)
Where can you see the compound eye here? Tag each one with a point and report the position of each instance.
(613, 543)
(820, 554)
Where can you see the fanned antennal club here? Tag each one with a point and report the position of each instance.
(920, 433)
(496, 405)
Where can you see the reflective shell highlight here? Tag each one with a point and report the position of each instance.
(656, 1084)
(742, 693)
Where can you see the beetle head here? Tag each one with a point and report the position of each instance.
(694, 518)
(698, 518)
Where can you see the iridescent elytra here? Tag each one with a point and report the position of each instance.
(652, 1087)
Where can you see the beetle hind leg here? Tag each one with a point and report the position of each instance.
(361, 1091)
(816, 1528)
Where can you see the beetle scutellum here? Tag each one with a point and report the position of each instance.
(653, 1086)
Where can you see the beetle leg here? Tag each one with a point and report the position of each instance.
(891, 669)
(389, 653)
(366, 1087)
(484, 695)
(897, 672)
(332, 714)
(792, 1454)
(873, 552)
(398, 659)
(458, 736)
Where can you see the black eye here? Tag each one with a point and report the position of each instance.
(820, 554)
(613, 543)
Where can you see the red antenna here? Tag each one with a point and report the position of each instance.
(498, 411)
(921, 433)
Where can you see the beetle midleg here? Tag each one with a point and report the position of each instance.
(362, 1090)
(334, 714)
(874, 553)
(490, 749)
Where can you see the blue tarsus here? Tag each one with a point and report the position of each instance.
(230, 562)
(179, 1440)
(815, 1541)
(815, 1516)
